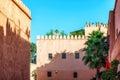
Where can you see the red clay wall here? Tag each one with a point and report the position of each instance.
(14, 42)
(117, 18)
(114, 24)
(63, 69)
(111, 31)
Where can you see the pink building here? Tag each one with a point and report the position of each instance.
(65, 67)
(114, 32)
(60, 58)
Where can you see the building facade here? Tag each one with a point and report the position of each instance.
(14, 40)
(60, 58)
(93, 27)
(114, 32)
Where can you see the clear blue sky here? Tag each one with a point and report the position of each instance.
(67, 15)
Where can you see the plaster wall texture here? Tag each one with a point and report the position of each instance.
(32, 68)
(114, 34)
(45, 46)
(111, 32)
(94, 27)
(15, 40)
(63, 69)
(117, 18)
(114, 30)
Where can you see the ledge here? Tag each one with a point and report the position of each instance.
(45, 37)
(25, 10)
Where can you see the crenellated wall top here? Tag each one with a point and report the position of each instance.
(96, 25)
(60, 37)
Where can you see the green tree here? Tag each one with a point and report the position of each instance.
(78, 32)
(32, 51)
(96, 52)
(51, 32)
(56, 32)
(111, 74)
(63, 33)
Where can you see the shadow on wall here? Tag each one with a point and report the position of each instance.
(63, 68)
(1, 49)
(14, 53)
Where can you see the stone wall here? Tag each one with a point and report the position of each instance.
(15, 40)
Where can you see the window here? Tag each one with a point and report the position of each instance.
(76, 55)
(50, 55)
(75, 75)
(49, 74)
(63, 55)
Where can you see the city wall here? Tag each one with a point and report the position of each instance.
(62, 69)
(14, 40)
(52, 44)
(93, 27)
(115, 33)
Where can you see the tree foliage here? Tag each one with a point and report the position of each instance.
(32, 51)
(111, 74)
(78, 32)
(63, 33)
(54, 32)
(96, 52)
(50, 33)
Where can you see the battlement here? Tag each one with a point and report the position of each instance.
(20, 4)
(60, 37)
(96, 25)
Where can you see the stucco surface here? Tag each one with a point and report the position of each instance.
(14, 41)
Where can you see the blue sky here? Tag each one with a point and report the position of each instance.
(67, 15)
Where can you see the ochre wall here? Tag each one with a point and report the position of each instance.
(14, 40)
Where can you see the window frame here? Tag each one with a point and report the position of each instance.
(49, 74)
(50, 56)
(75, 75)
(63, 55)
(77, 55)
